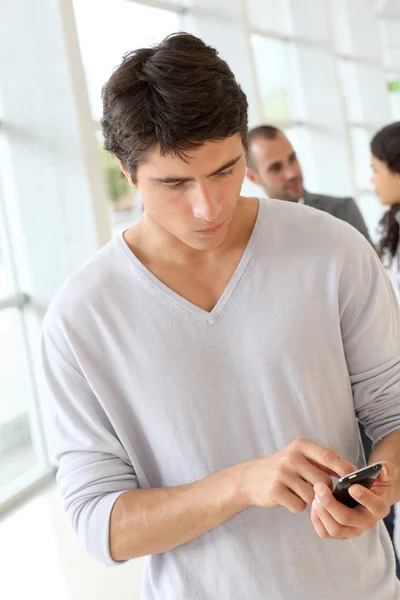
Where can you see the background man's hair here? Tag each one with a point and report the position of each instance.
(178, 95)
(264, 132)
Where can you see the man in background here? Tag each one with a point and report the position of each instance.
(273, 165)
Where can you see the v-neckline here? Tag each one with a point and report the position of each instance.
(169, 294)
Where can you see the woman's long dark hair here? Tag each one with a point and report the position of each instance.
(385, 146)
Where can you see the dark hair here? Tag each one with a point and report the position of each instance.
(178, 94)
(265, 132)
(385, 146)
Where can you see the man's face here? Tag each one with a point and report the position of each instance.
(276, 168)
(194, 201)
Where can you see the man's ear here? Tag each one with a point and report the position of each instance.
(126, 173)
(252, 176)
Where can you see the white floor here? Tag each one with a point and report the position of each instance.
(41, 558)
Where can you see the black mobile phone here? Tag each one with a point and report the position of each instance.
(364, 477)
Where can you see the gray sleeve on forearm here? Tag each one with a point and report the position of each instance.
(93, 467)
(371, 337)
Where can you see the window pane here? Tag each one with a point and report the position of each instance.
(394, 95)
(355, 28)
(331, 164)
(118, 27)
(17, 454)
(315, 28)
(270, 57)
(269, 15)
(126, 206)
(360, 140)
(301, 140)
(6, 281)
(366, 93)
(351, 90)
(391, 30)
(16, 449)
(318, 89)
(108, 29)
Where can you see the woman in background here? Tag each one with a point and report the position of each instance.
(385, 162)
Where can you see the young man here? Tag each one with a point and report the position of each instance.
(274, 166)
(207, 368)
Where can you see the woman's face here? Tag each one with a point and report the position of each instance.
(385, 182)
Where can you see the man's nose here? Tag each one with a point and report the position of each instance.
(204, 205)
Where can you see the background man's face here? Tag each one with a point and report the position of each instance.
(276, 169)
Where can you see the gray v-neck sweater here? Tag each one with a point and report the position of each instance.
(148, 390)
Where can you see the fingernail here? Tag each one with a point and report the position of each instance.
(356, 492)
(319, 491)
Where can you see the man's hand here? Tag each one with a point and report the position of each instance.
(287, 477)
(334, 520)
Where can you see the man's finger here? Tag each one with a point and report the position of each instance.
(315, 474)
(316, 521)
(376, 504)
(341, 513)
(334, 529)
(327, 458)
(385, 480)
(291, 501)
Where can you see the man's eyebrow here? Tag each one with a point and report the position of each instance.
(184, 179)
(226, 165)
(275, 164)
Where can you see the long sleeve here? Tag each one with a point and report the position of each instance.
(93, 466)
(370, 320)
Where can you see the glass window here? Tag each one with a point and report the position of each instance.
(394, 95)
(360, 140)
(331, 163)
(315, 28)
(107, 29)
(16, 446)
(125, 202)
(301, 140)
(366, 92)
(390, 30)
(355, 28)
(269, 15)
(351, 90)
(7, 286)
(270, 57)
(318, 88)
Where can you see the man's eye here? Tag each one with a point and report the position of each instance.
(175, 186)
(224, 173)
